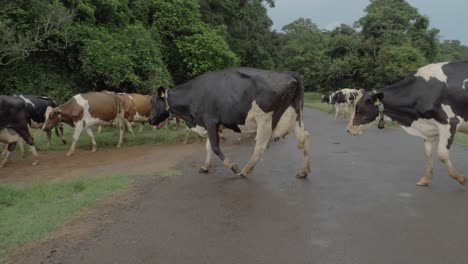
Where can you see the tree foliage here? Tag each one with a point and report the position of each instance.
(63, 47)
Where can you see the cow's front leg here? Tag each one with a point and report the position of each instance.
(129, 127)
(213, 137)
(93, 140)
(425, 180)
(121, 134)
(264, 132)
(446, 135)
(59, 133)
(49, 138)
(337, 110)
(209, 154)
(76, 136)
(9, 149)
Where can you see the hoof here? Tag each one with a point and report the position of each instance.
(422, 183)
(203, 170)
(64, 142)
(242, 174)
(69, 154)
(301, 175)
(462, 181)
(93, 150)
(35, 163)
(235, 169)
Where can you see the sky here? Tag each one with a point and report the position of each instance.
(449, 16)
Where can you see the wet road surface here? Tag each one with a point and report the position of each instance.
(359, 205)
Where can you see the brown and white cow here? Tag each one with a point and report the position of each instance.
(143, 108)
(130, 110)
(83, 111)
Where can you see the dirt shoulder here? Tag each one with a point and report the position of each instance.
(55, 165)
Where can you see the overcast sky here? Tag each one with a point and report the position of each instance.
(449, 15)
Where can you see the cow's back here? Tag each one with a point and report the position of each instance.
(142, 104)
(227, 96)
(12, 111)
(104, 106)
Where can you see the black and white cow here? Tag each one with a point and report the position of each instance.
(344, 100)
(431, 103)
(327, 97)
(241, 99)
(36, 108)
(14, 126)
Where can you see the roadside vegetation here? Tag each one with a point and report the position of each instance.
(109, 137)
(28, 213)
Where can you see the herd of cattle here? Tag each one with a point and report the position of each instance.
(19, 113)
(431, 103)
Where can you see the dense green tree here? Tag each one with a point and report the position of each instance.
(452, 50)
(248, 29)
(303, 50)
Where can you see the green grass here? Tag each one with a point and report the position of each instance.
(313, 100)
(28, 213)
(461, 139)
(109, 137)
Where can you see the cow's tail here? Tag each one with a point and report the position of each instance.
(298, 99)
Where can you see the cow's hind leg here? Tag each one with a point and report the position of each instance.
(142, 125)
(25, 133)
(446, 135)
(303, 143)
(213, 137)
(264, 132)
(93, 140)
(76, 136)
(425, 180)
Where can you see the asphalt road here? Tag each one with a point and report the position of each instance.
(359, 205)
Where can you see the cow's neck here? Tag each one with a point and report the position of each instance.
(398, 104)
(178, 100)
(66, 111)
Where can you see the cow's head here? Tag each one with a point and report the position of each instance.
(159, 110)
(326, 98)
(366, 112)
(53, 115)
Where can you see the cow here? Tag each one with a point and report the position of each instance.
(83, 111)
(137, 109)
(130, 110)
(238, 98)
(14, 126)
(326, 97)
(431, 103)
(344, 100)
(143, 108)
(36, 107)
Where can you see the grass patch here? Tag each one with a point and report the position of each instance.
(461, 139)
(313, 100)
(109, 137)
(28, 213)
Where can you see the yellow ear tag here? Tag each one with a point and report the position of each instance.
(377, 102)
(162, 95)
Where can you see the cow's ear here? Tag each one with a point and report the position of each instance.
(376, 98)
(161, 92)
